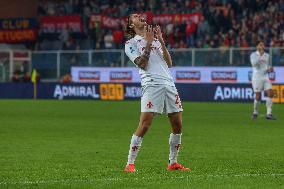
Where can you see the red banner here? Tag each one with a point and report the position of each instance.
(110, 22)
(55, 24)
(176, 18)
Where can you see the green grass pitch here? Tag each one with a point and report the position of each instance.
(84, 144)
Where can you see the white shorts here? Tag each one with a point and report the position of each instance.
(160, 99)
(260, 85)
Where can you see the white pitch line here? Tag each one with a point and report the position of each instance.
(69, 181)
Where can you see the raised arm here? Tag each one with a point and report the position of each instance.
(166, 54)
(140, 60)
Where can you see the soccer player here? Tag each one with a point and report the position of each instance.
(260, 81)
(146, 49)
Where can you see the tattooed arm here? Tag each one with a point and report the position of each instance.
(142, 61)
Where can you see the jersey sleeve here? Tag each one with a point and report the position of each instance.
(160, 49)
(131, 51)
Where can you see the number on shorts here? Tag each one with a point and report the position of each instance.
(178, 102)
(177, 99)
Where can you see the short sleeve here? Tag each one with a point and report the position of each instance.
(131, 51)
(160, 48)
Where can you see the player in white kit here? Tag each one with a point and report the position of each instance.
(260, 81)
(147, 50)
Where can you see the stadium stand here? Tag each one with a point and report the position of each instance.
(224, 23)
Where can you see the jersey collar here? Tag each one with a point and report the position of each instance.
(138, 37)
(257, 52)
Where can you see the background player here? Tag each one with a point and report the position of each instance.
(147, 50)
(260, 80)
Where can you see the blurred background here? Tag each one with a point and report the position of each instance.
(78, 45)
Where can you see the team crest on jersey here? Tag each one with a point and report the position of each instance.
(178, 101)
(150, 105)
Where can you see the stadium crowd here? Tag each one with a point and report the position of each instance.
(225, 23)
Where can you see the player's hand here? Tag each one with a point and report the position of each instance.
(261, 59)
(270, 69)
(158, 32)
(149, 34)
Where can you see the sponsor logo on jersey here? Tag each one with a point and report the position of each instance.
(188, 75)
(89, 75)
(230, 76)
(120, 76)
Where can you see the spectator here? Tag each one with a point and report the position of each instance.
(69, 45)
(118, 38)
(190, 32)
(66, 79)
(108, 40)
(229, 18)
(64, 35)
(16, 76)
(203, 28)
(27, 77)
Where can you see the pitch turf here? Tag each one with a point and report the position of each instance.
(84, 144)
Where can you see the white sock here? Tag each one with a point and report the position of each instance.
(269, 105)
(175, 142)
(255, 106)
(135, 145)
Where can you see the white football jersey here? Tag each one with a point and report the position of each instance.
(260, 65)
(157, 71)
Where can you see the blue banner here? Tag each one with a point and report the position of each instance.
(125, 91)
